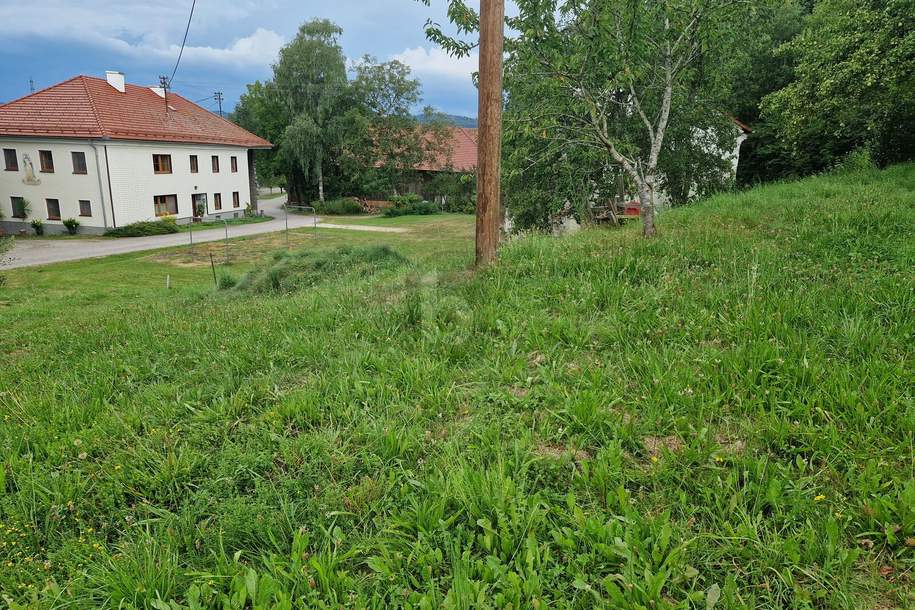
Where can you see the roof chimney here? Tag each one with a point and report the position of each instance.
(115, 79)
(158, 91)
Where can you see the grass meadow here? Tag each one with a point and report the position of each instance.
(721, 417)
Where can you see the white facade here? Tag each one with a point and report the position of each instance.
(135, 184)
(120, 182)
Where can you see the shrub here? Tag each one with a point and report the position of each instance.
(72, 225)
(858, 160)
(38, 225)
(406, 200)
(140, 229)
(343, 206)
(26, 207)
(226, 281)
(407, 205)
(291, 271)
(459, 205)
(458, 191)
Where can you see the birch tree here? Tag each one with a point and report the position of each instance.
(310, 78)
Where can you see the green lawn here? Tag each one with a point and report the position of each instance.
(218, 224)
(397, 221)
(719, 417)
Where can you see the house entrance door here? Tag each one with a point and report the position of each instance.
(200, 205)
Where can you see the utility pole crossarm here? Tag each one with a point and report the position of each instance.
(164, 84)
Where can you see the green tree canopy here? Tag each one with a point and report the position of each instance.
(335, 135)
(260, 110)
(601, 92)
(853, 86)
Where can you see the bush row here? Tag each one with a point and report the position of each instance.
(140, 229)
(406, 205)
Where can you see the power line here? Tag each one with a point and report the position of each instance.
(183, 42)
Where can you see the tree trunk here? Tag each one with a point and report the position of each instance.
(646, 201)
(297, 186)
(320, 183)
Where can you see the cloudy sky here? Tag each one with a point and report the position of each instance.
(231, 43)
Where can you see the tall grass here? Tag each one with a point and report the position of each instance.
(720, 417)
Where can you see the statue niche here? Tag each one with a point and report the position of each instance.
(30, 177)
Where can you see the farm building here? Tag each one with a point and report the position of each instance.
(109, 154)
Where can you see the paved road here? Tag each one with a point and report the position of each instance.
(32, 252)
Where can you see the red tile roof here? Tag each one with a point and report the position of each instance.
(463, 157)
(88, 107)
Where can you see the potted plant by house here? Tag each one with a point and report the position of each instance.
(38, 226)
(72, 225)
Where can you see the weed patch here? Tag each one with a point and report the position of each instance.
(291, 271)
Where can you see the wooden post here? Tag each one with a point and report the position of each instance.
(213, 267)
(489, 145)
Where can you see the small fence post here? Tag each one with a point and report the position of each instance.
(213, 267)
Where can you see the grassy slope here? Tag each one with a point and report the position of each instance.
(724, 411)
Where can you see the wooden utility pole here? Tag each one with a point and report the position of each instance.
(164, 84)
(489, 142)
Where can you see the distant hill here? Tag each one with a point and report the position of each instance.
(454, 119)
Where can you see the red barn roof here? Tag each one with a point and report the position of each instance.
(463, 149)
(88, 107)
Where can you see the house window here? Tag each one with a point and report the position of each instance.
(166, 205)
(217, 201)
(79, 162)
(9, 158)
(85, 208)
(234, 165)
(162, 164)
(18, 207)
(46, 159)
(235, 202)
(215, 164)
(193, 164)
(53, 209)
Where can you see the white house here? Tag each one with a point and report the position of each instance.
(109, 154)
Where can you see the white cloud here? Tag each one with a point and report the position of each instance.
(146, 29)
(434, 62)
(260, 48)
